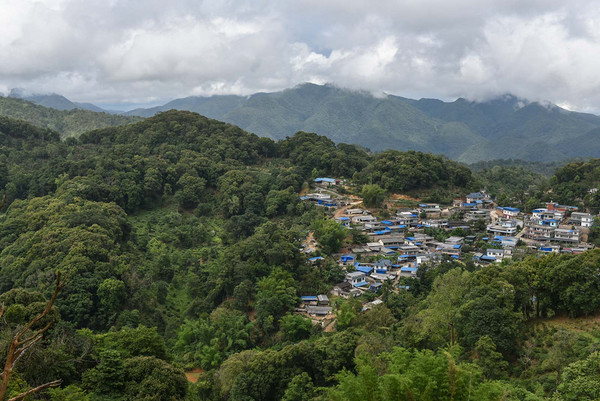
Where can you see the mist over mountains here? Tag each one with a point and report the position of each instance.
(501, 128)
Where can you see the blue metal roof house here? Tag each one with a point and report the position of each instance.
(325, 179)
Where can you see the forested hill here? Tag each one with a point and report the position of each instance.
(71, 122)
(181, 239)
(502, 128)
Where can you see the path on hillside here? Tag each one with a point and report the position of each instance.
(342, 210)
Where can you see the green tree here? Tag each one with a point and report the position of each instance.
(373, 195)
(329, 234)
(300, 389)
(491, 362)
(295, 327)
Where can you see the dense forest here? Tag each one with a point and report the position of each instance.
(180, 238)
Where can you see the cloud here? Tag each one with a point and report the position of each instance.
(135, 51)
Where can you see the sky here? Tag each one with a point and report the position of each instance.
(130, 52)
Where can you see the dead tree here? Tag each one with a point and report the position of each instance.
(2, 202)
(23, 340)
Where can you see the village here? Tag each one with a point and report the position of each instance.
(472, 230)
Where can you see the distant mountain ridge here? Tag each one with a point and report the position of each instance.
(54, 101)
(502, 128)
(72, 122)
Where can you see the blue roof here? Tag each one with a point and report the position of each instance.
(386, 222)
(485, 257)
(303, 197)
(409, 269)
(413, 215)
(469, 204)
(324, 179)
(376, 285)
(309, 298)
(381, 232)
(545, 249)
(381, 271)
(512, 209)
(315, 258)
(457, 246)
(364, 269)
(346, 258)
(454, 256)
(344, 218)
(360, 284)
(423, 205)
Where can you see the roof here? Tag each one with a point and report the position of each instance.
(319, 310)
(364, 269)
(360, 284)
(510, 209)
(355, 274)
(475, 195)
(325, 179)
(408, 269)
(315, 258)
(309, 298)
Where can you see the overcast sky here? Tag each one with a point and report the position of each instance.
(133, 51)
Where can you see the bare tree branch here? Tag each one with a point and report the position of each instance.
(19, 346)
(37, 389)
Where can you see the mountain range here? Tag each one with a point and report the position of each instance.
(468, 131)
(67, 122)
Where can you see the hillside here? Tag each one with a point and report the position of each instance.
(502, 128)
(66, 122)
(54, 101)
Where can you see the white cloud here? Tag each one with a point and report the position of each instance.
(145, 50)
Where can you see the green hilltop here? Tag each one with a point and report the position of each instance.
(67, 123)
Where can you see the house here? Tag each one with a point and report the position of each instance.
(454, 240)
(319, 310)
(370, 305)
(497, 254)
(365, 218)
(408, 271)
(375, 287)
(509, 212)
(505, 227)
(406, 218)
(322, 300)
(540, 230)
(561, 208)
(345, 221)
(354, 211)
(317, 197)
(348, 259)
(357, 278)
(430, 208)
(326, 182)
(309, 300)
(566, 235)
(391, 241)
(550, 249)
(476, 196)
(408, 249)
(474, 215)
(345, 290)
(581, 219)
(538, 213)
(509, 242)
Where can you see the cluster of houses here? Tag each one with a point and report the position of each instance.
(394, 254)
